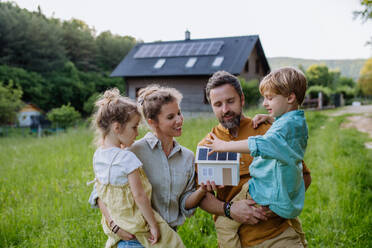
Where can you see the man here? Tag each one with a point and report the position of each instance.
(261, 227)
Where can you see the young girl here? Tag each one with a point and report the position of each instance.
(121, 183)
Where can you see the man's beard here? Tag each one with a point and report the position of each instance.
(233, 123)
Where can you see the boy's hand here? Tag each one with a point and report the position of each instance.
(154, 234)
(261, 118)
(215, 144)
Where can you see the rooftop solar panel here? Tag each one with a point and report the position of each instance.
(179, 50)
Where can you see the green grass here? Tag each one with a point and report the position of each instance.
(43, 192)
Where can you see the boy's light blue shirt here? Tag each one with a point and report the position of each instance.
(277, 179)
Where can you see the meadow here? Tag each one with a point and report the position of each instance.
(44, 196)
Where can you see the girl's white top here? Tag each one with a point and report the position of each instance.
(112, 165)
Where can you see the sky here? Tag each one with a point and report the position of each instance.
(316, 29)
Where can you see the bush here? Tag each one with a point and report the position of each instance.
(313, 92)
(64, 117)
(251, 91)
(348, 92)
(10, 103)
(89, 104)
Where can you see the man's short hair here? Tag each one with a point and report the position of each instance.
(284, 81)
(221, 78)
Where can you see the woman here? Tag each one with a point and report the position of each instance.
(168, 165)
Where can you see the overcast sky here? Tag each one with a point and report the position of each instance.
(316, 29)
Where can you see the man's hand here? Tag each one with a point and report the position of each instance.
(245, 212)
(261, 118)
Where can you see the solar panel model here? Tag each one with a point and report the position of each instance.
(220, 167)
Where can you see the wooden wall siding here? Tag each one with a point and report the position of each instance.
(251, 74)
(192, 89)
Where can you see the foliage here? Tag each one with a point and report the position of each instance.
(29, 40)
(347, 92)
(365, 80)
(111, 49)
(251, 91)
(366, 13)
(78, 40)
(65, 116)
(10, 103)
(319, 75)
(44, 197)
(89, 104)
(345, 81)
(34, 86)
(36, 43)
(314, 90)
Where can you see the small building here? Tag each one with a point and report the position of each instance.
(27, 114)
(187, 65)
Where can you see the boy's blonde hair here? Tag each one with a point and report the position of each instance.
(284, 81)
(112, 107)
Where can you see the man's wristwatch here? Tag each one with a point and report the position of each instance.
(226, 209)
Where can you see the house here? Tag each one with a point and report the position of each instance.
(187, 65)
(27, 114)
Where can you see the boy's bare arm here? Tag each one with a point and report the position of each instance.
(218, 145)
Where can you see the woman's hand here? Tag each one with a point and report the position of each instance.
(261, 118)
(154, 234)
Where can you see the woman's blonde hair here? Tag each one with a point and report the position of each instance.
(153, 97)
(284, 81)
(112, 107)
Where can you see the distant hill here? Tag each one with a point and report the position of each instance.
(347, 67)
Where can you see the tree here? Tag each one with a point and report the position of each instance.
(34, 86)
(29, 40)
(78, 39)
(10, 103)
(365, 14)
(365, 79)
(319, 75)
(251, 91)
(112, 49)
(65, 116)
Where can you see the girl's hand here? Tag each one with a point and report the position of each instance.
(215, 144)
(125, 235)
(261, 118)
(154, 234)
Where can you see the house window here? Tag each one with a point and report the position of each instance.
(191, 62)
(246, 67)
(217, 61)
(257, 66)
(159, 63)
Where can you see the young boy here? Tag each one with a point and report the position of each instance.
(276, 170)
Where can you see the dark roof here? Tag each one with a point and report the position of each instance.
(234, 50)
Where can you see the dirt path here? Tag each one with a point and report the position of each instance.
(362, 120)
